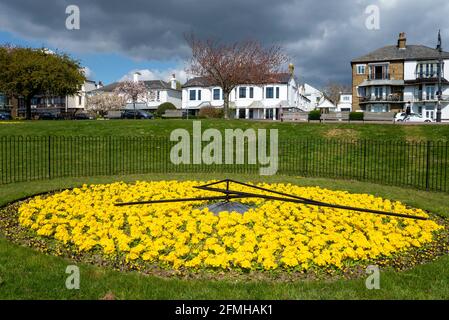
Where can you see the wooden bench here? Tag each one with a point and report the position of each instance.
(335, 116)
(172, 114)
(379, 116)
(295, 116)
(114, 114)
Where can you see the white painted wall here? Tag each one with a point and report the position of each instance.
(287, 93)
(410, 69)
(79, 101)
(174, 97)
(314, 96)
(164, 96)
(345, 102)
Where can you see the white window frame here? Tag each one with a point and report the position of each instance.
(194, 95)
(361, 66)
(219, 94)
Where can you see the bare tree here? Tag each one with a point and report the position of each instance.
(132, 91)
(333, 90)
(230, 65)
(104, 102)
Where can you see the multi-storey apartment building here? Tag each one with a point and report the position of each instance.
(247, 101)
(394, 78)
(55, 104)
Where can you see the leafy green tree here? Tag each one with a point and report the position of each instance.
(26, 72)
(163, 107)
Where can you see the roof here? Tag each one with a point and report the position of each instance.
(197, 82)
(150, 84)
(283, 77)
(411, 52)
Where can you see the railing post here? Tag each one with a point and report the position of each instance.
(428, 165)
(364, 159)
(49, 156)
(109, 153)
(306, 158)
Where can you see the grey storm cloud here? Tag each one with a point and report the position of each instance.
(321, 37)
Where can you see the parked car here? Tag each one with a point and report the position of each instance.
(48, 116)
(400, 116)
(5, 116)
(136, 114)
(82, 116)
(414, 117)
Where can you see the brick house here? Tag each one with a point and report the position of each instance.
(392, 77)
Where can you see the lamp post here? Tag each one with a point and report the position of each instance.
(440, 71)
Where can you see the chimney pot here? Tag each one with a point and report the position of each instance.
(173, 83)
(402, 41)
(136, 76)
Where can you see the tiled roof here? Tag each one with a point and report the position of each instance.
(411, 52)
(150, 84)
(158, 84)
(283, 77)
(197, 82)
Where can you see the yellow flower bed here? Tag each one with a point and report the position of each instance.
(272, 235)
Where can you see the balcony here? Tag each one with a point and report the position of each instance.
(390, 98)
(379, 76)
(426, 75)
(430, 98)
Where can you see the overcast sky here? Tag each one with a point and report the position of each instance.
(321, 37)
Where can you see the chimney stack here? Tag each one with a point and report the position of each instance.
(173, 83)
(291, 68)
(402, 41)
(136, 76)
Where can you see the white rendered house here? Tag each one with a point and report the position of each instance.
(79, 101)
(264, 101)
(345, 103)
(312, 98)
(159, 92)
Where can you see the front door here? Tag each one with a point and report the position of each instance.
(430, 114)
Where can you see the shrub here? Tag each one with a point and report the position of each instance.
(163, 107)
(356, 116)
(211, 113)
(314, 115)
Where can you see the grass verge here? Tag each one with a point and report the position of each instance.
(28, 274)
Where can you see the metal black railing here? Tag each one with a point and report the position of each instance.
(421, 165)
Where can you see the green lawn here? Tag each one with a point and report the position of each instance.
(162, 128)
(387, 154)
(25, 273)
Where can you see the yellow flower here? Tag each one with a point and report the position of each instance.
(272, 235)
